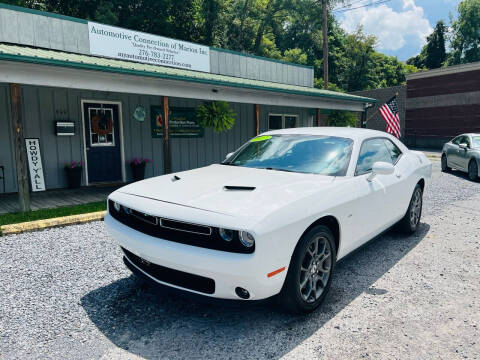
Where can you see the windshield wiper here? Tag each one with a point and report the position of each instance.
(279, 169)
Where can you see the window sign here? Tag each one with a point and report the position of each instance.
(131, 45)
(183, 123)
(35, 164)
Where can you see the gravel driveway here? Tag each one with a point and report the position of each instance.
(65, 293)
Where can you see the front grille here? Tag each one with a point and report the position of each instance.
(174, 277)
(178, 231)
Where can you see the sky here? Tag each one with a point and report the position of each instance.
(401, 26)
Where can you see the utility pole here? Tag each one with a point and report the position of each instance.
(325, 44)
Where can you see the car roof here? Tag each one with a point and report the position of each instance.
(347, 132)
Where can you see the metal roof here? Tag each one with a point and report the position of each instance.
(10, 52)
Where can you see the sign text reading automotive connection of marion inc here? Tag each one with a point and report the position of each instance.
(130, 45)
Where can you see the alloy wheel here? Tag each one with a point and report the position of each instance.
(416, 208)
(315, 269)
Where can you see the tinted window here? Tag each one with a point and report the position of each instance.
(395, 152)
(457, 140)
(371, 152)
(326, 155)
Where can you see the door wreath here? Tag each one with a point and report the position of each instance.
(102, 124)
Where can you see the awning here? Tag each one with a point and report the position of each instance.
(70, 70)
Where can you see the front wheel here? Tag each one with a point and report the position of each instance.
(410, 221)
(310, 272)
(445, 167)
(473, 170)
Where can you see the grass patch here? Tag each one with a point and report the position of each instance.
(15, 218)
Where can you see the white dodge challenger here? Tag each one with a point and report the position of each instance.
(274, 217)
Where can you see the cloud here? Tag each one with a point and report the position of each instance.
(393, 29)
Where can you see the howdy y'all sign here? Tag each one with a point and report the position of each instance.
(35, 164)
(130, 45)
(182, 123)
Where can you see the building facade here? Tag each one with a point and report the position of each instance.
(89, 92)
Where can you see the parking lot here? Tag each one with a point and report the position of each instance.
(65, 293)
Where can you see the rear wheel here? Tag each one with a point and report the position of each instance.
(445, 167)
(410, 221)
(310, 272)
(473, 170)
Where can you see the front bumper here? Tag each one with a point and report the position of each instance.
(228, 270)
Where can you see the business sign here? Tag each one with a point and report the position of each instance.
(35, 164)
(182, 123)
(131, 45)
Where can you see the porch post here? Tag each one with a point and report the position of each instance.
(257, 118)
(19, 146)
(167, 156)
(319, 117)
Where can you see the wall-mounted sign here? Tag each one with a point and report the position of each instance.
(130, 45)
(140, 113)
(65, 128)
(183, 122)
(35, 164)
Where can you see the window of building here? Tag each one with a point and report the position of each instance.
(282, 121)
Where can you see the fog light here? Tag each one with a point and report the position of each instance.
(226, 234)
(246, 239)
(242, 293)
(116, 206)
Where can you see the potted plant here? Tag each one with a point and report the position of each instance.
(74, 174)
(138, 168)
(217, 115)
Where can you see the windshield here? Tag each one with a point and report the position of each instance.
(325, 155)
(476, 142)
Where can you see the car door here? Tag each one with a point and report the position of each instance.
(376, 207)
(452, 152)
(464, 155)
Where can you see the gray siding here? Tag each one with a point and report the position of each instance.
(43, 31)
(251, 67)
(63, 34)
(7, 156)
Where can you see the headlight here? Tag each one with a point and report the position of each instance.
(226, 234)
(116, 206)
(127, 210)
(246, 239)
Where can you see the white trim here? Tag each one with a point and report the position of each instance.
(56, 76)
(120, 125)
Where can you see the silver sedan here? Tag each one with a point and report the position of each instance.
(462, 153)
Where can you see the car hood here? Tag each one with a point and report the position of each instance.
(231, 190)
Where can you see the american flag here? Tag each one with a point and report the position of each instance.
(389, 112)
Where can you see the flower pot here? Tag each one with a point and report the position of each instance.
(74, 177)
(138, 171)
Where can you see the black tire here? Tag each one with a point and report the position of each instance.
(317, 278)
(410, 221)
(472, 170)
(445, 167)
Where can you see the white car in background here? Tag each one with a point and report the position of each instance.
(274, 217)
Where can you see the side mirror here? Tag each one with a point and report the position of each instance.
(381, 168)
(463, 146)
(229, 154)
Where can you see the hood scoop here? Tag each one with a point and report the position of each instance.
(238, 188)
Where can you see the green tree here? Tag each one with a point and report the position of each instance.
(433, 54)
(465, 40)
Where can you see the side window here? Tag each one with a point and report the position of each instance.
(372, 151)
(457, 140)
(467, 141)
(395, 152)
